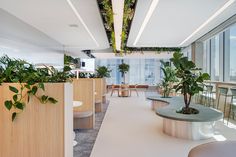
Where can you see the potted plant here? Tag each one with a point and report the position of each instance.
(168, 79)
(34, 103)
(123, 68)
(191, 80)
(30, 79)
(102, 72)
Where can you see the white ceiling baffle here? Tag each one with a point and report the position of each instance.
(176, 23)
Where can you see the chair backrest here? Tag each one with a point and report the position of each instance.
(223, 90)
(233, 91)
(209, 88)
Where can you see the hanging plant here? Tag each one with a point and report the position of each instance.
(30, 79)
(106, 11)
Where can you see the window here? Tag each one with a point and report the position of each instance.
(232, 54)
(206, 56)
(215, 58)
(142, 71)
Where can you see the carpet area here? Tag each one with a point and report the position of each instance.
(86, 138)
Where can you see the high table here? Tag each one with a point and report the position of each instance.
(76, 104)
(187, 126)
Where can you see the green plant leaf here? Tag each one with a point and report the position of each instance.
(13, 116)
(41, 85)
(13, 89)
(20, 105)
(52, 100)
(8, 104)
(34, 90)
(15, 97)
(44, 98)
(27, 86)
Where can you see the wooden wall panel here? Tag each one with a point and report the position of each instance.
(99, 89)
(36, 132)
(83, 90)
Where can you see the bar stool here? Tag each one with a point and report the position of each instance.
(223, 91)
(198, 96)
(209, 95)
(232, 107)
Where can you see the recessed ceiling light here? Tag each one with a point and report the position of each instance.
(146, 20)
(225, 6)
(82, 21)
(73, 25)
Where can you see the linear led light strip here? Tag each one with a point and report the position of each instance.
(146, 19)
(81, 20)
(225, 6)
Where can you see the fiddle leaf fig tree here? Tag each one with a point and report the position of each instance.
(191, 80)
(123, 68)
(30, 80)
(168, 79)
(102, 72)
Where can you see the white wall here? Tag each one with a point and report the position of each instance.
(89, 64)
(20, 40)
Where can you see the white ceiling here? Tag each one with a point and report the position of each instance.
(53, 17)
(174, 20)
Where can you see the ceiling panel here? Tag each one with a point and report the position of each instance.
(173, 21)
(53, 18)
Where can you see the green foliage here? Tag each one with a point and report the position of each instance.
(127, 19)
(169, 78)
(191, 79)
(31, 80)
(83, 75)
(70, 62)
(123, 68)
(107, 14)
(102, 72)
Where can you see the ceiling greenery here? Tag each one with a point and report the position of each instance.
(105, 7)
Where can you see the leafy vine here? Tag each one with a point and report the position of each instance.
(30, 79)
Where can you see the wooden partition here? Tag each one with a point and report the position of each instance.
(41, 130)
(99, 89)
(104, 90)
(84, 90)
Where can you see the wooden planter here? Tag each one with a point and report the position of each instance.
(104, 84)
(41, 130)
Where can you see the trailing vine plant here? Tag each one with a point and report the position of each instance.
(107, 16)
(128, 14)
(30, 79)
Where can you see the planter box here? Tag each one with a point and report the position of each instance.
(41, 130)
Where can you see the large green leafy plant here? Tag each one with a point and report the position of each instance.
(30, 79)
(191, 80)
(168, 79)
(123, 68)
(102, 72)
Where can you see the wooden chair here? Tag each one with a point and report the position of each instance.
(113, 88)
(133, 89)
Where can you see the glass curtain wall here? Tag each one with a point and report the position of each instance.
(232, 53)
(220, 55)
(142, 71)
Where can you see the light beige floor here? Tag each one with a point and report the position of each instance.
(131, 129)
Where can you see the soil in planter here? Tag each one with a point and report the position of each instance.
(166, 97)
(189, 110)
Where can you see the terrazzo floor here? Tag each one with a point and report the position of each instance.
(131, 129)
